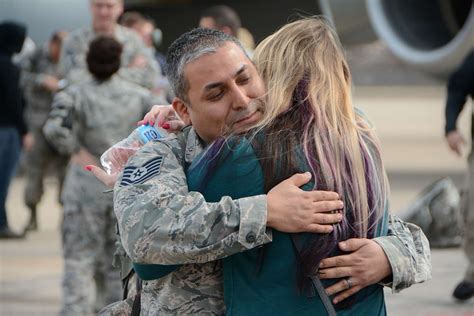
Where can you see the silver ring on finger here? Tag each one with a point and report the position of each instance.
(349, 282)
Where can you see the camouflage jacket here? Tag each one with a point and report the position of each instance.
(161, 222)
(39, 100)
(76, 45)
(408, 252)
(95, 115)
(150, 235)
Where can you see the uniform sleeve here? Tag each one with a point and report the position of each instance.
(408, 252)
(73, 59)
(59, 129)
(29, 74)
(144, 76)
(161, 222)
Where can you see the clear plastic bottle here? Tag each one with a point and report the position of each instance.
(113, 160)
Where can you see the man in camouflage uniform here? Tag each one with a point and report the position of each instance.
(161, 222)
(40, 80)
(147, 30)
(138, 64)
(85, 120)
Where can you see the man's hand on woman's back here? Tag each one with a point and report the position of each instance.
(292, 210)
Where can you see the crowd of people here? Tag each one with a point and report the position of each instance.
(267, 195)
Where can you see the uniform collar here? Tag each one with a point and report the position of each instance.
(194, 145)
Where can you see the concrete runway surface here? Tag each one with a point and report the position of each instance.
(409, 122)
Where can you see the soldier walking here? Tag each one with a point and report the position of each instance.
(41, 79)
(86, 119)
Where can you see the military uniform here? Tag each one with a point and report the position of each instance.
(92, 116)
(161, 222)
(39, 102)
(74, 50)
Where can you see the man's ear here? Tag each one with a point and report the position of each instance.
(182, 109)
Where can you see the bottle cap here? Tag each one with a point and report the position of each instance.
(147, 133)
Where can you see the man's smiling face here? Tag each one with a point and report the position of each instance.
(222, 92)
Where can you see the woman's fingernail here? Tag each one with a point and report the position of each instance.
(342, 244)
(166, 126)
(88, 168)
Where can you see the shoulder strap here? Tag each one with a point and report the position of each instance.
(125, 283)
(137, 301)
(315, 281)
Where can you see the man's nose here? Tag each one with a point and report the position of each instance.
(241, 99)
(103, 10)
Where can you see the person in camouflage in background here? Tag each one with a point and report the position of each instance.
(161, 222)
(85, 120)
(40, 80)
(138, 64)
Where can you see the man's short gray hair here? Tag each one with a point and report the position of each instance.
(188, 47)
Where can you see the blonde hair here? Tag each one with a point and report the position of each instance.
(305, 70)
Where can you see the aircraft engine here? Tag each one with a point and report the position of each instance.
(431, 35)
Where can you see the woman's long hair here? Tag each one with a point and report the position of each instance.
(309, 110)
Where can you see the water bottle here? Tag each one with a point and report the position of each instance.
(114, 159)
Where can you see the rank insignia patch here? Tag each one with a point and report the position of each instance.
(137, 175)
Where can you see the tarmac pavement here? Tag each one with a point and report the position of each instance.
(409, 122)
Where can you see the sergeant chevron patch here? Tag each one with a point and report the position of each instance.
(137, 175)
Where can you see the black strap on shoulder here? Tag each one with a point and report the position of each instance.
(315, 281)
(125, 283)
(138, 298)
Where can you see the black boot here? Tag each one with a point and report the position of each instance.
(464, 290)
(7, 233)
(33, 224)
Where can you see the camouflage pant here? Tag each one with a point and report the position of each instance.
(89, 237)
(38, 159)
(469, 218)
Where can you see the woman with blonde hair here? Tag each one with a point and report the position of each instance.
(309, 96)
(309, 124)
